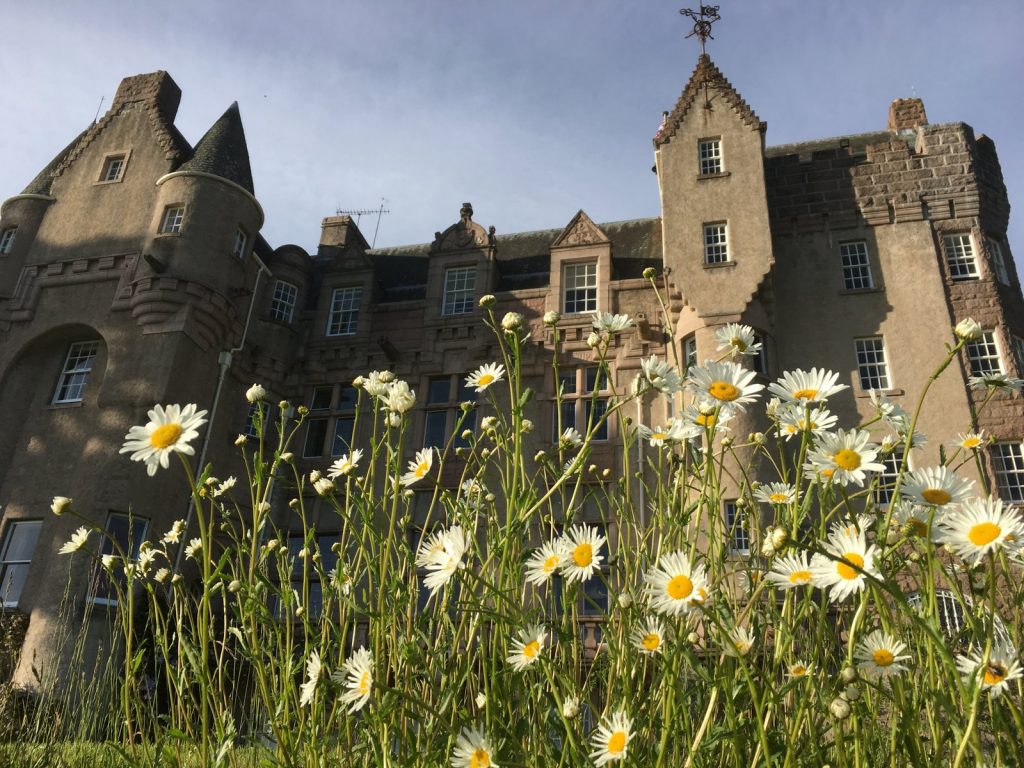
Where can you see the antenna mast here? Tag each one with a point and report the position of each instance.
(357, 212)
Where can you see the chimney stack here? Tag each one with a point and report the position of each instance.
(154, 88)
(906, 114)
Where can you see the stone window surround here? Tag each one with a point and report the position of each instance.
(364, 317)
(26, 525)
(348, 316)
(437, 272)
(168, 229)
(997, 259)
(579, 399)
(720, 231)
(859, 271)
(124, 155)
(737, 535)
(450, 407)
(872, 362)
(285, 301)
(447, 291)
(984, 351)
(240, 243)
(66, 381)
(710, 158)
(7, 237)
(601, 253)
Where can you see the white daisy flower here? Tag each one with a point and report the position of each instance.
(844, 567)
(194, 546)
(108, 562)
(912, 519)
(806, 387)
(308, 688)
(609, 323)
(971, 441)
(441, 554)
(798, 669)
(418, 467)
(848, 454)
(173, 536)
(738, 339)
(659, 436)
(859, 524)
(485, 375)
(169, 430)
(76, 542)
(526, 649)
(726, 384)
(59, 504)
(570, 438)
(660, 375)
(793, 570)
(146, 558)
(996, 381)
(356, 674)
(224, 487)
(889, 411)
(570, 707)
(795, 419)
(936, 486)
(701, 417)
(611, 739)
(980, 526)
(649, 637)
(473, 750)
(738, 641)
(345, 465)
(775, 493)
(582, 545)
(674, 586)
(880, 655)
(398, 397)
(544, 562)
(995, 676)
(376, 383)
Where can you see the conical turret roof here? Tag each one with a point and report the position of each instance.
(223, 152)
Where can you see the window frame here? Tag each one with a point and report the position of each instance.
(7, 238)
(981, 352)
(6, 562)
(856, 265)
(67, 380)
(173, 219)
(995, 251)
(343, 311)
(735, 529)
(711, 162)
(121, 160)
(961, 256)
(578, 402)
(689, 351)
(131, 550)
(295, 542)
(451, 408)
(1008, 468)
(280, 298)
(583, 299)
(458, 295)
(885, 487)
(872, 373)
(240, 244)
(716, 249)
(1018, 349)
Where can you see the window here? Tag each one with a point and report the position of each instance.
(856, 269)
(716, 247)
(459, 289)
(344, 315)
(581, 407)
(125, 535)
(250, 429)
(314, 603)
(173, 216)
(316, 424)
(444, 414)
(241, 240)
(282, 304)
(77, 366)
(345, 421)
(887, 477)
(710, 156)
(960, 257)
(950, 611)
(995, 250)
(580, 292)
(7, 239)
(16, 557)
(112, 168)
(983, 355)
(689, 352)
(1018, 347)
(759, 362)
(1008, 462)
(736, 532)
(874, 372)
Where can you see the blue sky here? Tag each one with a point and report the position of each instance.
(528, 109)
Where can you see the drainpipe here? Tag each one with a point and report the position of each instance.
(224, 361)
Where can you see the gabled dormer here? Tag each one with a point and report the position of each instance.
(581, 270)
(462, 269)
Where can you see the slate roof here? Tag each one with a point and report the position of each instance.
(42, 183)
(223, 152)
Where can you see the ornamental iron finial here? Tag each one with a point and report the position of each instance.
(702, 21)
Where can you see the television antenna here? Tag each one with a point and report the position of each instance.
(359, 212)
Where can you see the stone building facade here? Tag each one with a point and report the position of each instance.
(132, 272)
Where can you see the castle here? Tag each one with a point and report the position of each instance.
(132, 272)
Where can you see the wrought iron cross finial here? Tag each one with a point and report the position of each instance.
(702, 21)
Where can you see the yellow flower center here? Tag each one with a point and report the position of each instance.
(917, 527)
(846, 570)
(798, 670)
(531, 649)
(847, 459)
(995, 673)
(680, 587)
(800, 577)
(165, 435)
(984, 533)
(737, 342)
(658, 435)
(364, 683)
(550, 564)
(651, 641)
(479, 758)
(617, 743)
(723, 390)
(936, 496)
(883, 657)
(805, 394)
(421, 469)
(778, 498)
(583, 554)
(484, 380)
(706, 419)
(827, 472)
(971, 442)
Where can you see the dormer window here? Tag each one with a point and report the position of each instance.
(343, 319)
(459, 289)
(710, 156)
(113, 167)
(241, 240)
(7, 239)
(174, 215)
(580, 284)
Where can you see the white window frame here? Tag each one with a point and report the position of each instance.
(130, 554)
(241, 241)
(579, 287)
(689, 351)
(856, 266)
(886, 479)
(170, 223)
(8, 564)
(716, 243)
(459, 290)
(709, 152)
(1018, 348)
(113, 168)
(1008, 466)
(343, 317)
(576, 403)
(283, 301)
(995, 250)
(7, 240)
(960, 256)
(737, 535)
(74, 375)
(983, 355)
(872, 363)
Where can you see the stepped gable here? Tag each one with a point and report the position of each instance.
(41, 184)
(707, 74)
(223, 152)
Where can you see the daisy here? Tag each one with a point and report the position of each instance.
(582, 544)
(308, 688)
(526, 649)
(890, 412)
(912, 519)
(418, 467)
(674, 586)
(77, 541)
(737, 642)
(726, 384)
(611, 739)
(858, 524)
(194, 546)
(1002, 667)
(844, 567)
(802, 387)
(936, 486)
(169, 430)
(738, 339)
(659, 436)
(173, 536)
(356, 674)
(702, 417)
(980, 526)
(660, 375)
(996, 381)
(59, 504)
(398, 398)
(775, 493)
(797, 419)
(848, 454)
(879, 654)
(347, 464)
(485, 375)
(649, 637)
(544, 562)
(570, 438)
(971, 440)
(799, 669)
(441, 554)
(473, 750)
(224, 487)
(609, 323)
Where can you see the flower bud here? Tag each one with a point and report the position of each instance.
(358, 382)
(551, 318)
(287, 457)
(848, 675)
(852, 692)
(467, 434)
(255, 394)
(968, 330)
(526, 426)
(840, 709)
(593, 340)
(512, 321)
(315, 475)
(779, 537)
(241, 440)
(570, 707)
(323, 486)
(693, 638)
(60, 504)
(234, 586)
(606, 473)
(264, 507)
(302, 410)
(625, 600)
(650, 273)
(726, 442)
(487, 301)
(481, 701)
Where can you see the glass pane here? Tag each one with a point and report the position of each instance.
(342, 436)
(12, 581)
(439, 389)
(322, 398)
(21, 540)
(348, 399)
(316, 431)
(434, 429)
